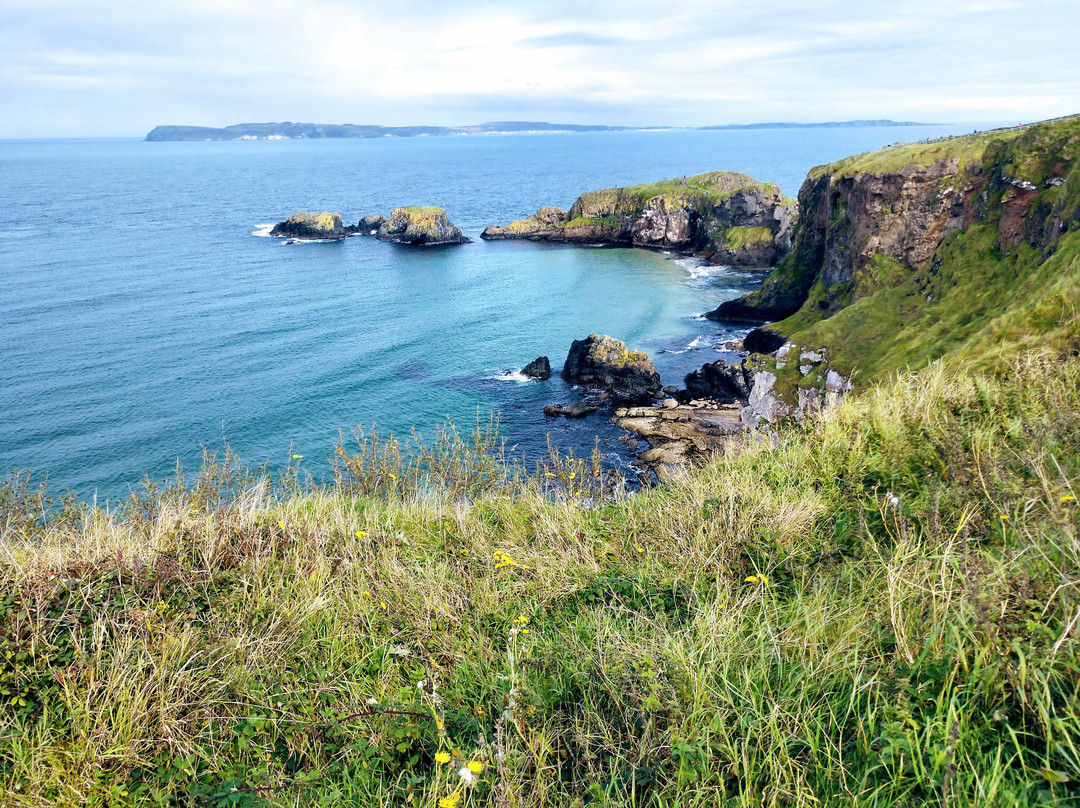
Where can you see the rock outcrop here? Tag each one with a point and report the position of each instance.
(421, 226)
(678, 436)
(577, 409)
(725, 217)
(321, 226)
(721, 381)
(369, 225)
(539, 368)
(606, 363)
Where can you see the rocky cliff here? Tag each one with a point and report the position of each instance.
(725, 217)
(606, 363)
(915, 252)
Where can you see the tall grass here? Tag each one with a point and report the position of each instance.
(879, 608)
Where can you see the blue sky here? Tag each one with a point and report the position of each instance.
(73, 68)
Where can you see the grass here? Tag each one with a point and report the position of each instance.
(878, 608)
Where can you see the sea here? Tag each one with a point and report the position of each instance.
(146, 315)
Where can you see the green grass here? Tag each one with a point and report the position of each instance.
(738, 237)
(233, 639)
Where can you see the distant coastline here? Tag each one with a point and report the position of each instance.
(288, 130)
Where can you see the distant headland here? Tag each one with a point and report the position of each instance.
(316, 131)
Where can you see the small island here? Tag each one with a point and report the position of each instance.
(725, 217)
(420, 225)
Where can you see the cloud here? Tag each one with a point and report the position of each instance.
(69, 68)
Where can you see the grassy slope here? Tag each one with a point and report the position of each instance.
(223, 645)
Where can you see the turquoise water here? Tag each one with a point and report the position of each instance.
(143, 318)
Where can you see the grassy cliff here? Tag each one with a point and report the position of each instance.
(917, 252)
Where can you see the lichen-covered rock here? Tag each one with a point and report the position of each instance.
(539, 368)
(726, 217)
(324, 226)
(421, 226)
(606, 363)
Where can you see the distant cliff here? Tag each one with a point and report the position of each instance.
(316, 131)
(916, 252)
(724, 216)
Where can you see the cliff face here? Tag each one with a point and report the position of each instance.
(725, 217)
(909, 253)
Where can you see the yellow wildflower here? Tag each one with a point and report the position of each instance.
(640, 549)
(297, 457)
(1004, 517)
(475, 766)
(383, 606)
(1068, 498)
(548, 474)
(281, 525)
(452, 801)
(442, 757)
(393, 476)
(360, 534)
(757, 579)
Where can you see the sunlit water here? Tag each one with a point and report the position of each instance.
(143, 316)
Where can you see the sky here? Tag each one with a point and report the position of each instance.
(73, 68)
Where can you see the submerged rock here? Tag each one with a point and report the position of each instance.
(578, 409)
(606, 363)
(422, 226)
(324, 226)
(539, 368)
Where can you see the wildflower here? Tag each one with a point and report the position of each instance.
(383, 606)
(1067, 498)
(475, 766)
(892, 499)
(466, 775)
(442, 757)
(393, 476)
(451, 801)
(372, 702)
(503, 560)
(523, 619)
(548, 474)
(573, 474)
(1004, 517)
(640, 549)
(360, 534)
(757, 579)
(297, 457)
(281, 525)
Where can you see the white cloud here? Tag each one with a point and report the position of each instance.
(67, 67)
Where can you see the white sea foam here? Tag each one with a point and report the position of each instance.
(263, 230)
(510, 376)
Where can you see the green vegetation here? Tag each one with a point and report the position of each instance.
(877, 609)
(738, 237)
(965, 149)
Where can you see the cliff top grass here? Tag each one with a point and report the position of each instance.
(966, 149)
(875, 609)
(719, 184)
(421, 210)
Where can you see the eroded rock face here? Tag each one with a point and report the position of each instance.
(678, 436)
(726, 217)
(606, 363)
(369, 225)
(420, 226)
(323, 226)
(721, 381)
(539, 368)
(855, 231)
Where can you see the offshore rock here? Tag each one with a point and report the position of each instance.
(322, 226)
(370, 225)
(539, 368)
(725, 217)
(762, 340)
(606, 363)
(421, 226)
